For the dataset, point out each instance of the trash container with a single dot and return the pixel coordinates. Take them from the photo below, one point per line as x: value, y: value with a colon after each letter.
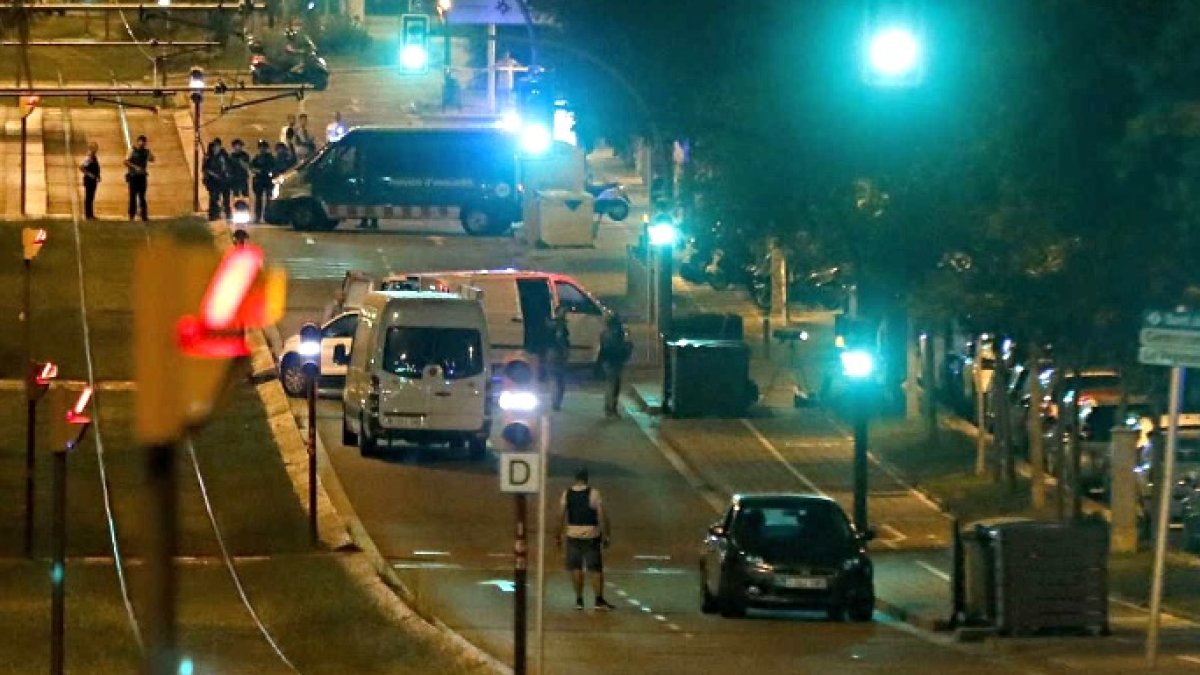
x: 708, y: 378
x: 559, y: 218
x: 1028, y: 576
x: 707, y: 326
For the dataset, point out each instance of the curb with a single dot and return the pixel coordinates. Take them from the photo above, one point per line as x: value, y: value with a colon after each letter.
x: 714, y: 498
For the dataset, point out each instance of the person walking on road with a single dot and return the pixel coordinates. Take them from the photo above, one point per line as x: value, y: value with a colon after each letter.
x: 216, y: 179
x: 584, y: 524
x: 262, y: 167
x: 287, y: 133
x: 137, y: 176
x: 239, y: 170
x: 615, y: 350
x: 91, y: 179
x: 558, y: 353
x: 305, y: 144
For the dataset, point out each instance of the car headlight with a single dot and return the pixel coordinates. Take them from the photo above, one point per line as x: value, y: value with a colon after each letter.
x: 757, y: 563
x: 275, y: 191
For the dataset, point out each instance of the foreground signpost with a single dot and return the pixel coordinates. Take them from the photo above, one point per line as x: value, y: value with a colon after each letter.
x: 1167, y: 338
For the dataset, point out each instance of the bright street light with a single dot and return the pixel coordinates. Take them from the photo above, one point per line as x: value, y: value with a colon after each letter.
x: 414, y: 57
x: 535, y: 138
x: 196, y: 78
x: 894, y: 52
x: 857, y: 363
x: 662, y: 231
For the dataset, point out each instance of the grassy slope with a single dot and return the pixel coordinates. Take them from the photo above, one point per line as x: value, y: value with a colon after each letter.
x: 305, y: 597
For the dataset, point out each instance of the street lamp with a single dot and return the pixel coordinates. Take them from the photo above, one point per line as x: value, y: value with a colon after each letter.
x: 858, y: 366
x: 535, y: 138
x: 196, y: 85
x: 310, y: 353
x: 893, y: 57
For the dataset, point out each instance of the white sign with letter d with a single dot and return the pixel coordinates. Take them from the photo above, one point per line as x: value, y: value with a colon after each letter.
x: 520, y: 472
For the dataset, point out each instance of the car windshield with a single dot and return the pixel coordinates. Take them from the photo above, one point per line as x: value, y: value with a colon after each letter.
x: 781, y: 530
x: 409, y: 350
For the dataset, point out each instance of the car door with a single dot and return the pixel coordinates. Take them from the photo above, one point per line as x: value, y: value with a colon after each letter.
x: 585, y: 320
x: 536, y: 305
x: 714, y: 553
x: 338, y: 331
x: 502, y: 309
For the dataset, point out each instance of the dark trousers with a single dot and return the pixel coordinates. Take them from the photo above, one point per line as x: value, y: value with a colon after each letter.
x: 262, y: 193
x: 218, y: 200
x: 558, y: 376
x: 137, y: 196
x: 240, y: 187
x: 89, y: 198
x: 612, y: 387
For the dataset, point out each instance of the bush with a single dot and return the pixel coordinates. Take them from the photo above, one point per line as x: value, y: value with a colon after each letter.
x: 341, y: 35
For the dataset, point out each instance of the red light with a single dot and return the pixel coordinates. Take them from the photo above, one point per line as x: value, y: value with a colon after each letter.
x: 75, y: 415
x: 40, y: 237
x: 230, y: 286
x: 48, y: 372
x: 194, y: 339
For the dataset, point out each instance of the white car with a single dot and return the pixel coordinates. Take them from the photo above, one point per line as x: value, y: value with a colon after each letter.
x: 337, y: 331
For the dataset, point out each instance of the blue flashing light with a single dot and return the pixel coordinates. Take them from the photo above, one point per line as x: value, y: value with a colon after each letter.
x: 857, y: 363
x: 414, y: 57
x: 536, y: 138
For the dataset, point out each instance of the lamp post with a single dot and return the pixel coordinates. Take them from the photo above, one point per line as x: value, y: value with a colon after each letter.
x: 661, y: 234
x: 310, y: 351
x: 37, y: 382
x: 858, y: 366
x: 196, y: 84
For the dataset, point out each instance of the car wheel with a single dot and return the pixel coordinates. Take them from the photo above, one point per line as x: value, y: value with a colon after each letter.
x: 348, y: 437
x: 862, y: 609
x: 708, y: 603
x: 618, y: 211
x: 477, y: 447
x: 307, y: 216
x: 477, y: 222
x: 836, y: 611
x: 291, y: 375
x: 368, y: 445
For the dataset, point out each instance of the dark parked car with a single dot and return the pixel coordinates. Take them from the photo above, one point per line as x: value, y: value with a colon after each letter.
x: 786, y: 551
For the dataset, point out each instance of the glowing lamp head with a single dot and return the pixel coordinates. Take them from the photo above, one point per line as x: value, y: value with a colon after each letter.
x: 47, y: 372
x: 893, y: 53
x: 518, y: 401
x: 196, y: 78
x: 857, y: 363
x: 510, y: 121
x: 662, y: 231
x: 241, y: 212
x: 535, y: 138
x: 310, y: 343
x: 518, y: 435
x: 76, y: 414
x: 444, y: 5
x: 414, y: 57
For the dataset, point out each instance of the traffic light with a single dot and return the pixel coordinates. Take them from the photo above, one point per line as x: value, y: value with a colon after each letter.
x: 191, y: 308
x: 37, y: 379
x: 310, y: 348
x: 32, y: 240
x: 519, y: 404
x: 29, y: 104
x: 414, y: 43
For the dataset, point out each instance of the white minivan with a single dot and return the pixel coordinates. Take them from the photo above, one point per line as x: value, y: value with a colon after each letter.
x: 518, y: 303
x: 418, y: 371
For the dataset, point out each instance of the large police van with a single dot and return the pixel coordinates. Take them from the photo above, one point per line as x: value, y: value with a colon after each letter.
x: 404, y: 172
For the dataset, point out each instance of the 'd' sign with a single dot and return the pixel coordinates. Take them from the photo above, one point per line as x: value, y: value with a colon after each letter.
x: 519, y: 472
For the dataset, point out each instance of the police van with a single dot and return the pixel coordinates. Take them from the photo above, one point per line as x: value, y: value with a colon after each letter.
x: 418, y: 370
x: 404, y: 172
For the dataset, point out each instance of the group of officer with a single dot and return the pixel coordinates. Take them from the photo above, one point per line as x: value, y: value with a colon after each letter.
x: 231, y: 174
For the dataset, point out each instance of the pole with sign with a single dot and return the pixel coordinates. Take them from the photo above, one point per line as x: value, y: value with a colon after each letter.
x: 520, y: 473
x: 1167, y: 338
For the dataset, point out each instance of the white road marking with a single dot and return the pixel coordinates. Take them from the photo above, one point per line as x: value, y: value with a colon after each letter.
x: 651, y: 557
x: 426, y: 566
x: 663, y: 570
x: 646, y: 609
x: 504, y: 585
x: 310, y: 241
x: 894, y: 540
x: 660, y: 617
x: 633, y: 601
x: 933, y: 570
x: 432, y: 553
x: 499, y: 555
x: 622, y: 593
x: 1189, y: 658
x: 782, y: 460
x: 673, y: 627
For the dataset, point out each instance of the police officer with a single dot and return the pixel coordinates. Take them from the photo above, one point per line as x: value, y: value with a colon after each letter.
x: 239, y: 170
x: 216, y: 179
x: 137, y: 175
x: 585, y: 527
x: 263, y: 169
x: 91, y: 179
x: 558, y: 353
x: 614, y: 352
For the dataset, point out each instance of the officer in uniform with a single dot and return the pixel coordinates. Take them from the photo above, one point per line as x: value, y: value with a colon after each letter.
x: 137, y: 176
x: 263, y: 169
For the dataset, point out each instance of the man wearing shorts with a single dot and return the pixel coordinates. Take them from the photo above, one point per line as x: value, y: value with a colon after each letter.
x: 585, y: 527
